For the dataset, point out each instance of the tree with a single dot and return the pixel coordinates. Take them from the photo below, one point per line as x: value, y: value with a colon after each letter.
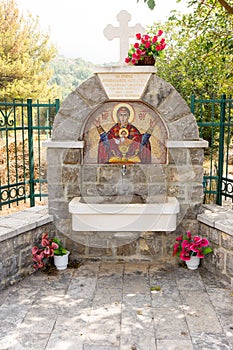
x: 69, y: 73
x: 199, y: 54
x: 25, y: 55
x: 226, y: 5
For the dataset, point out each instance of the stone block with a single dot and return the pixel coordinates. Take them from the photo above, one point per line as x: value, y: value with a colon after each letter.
x: 72, y: 190
x: 175, y: 108
x: 229, y: 264
x: 158, y: 189
x: 157, y: 91
x: 6, y: 248
x: 177, y: 190
x: 97, y: 95
x: 59, y: 209
x: 25, y: 258
x: 70, y: 174
x: 186, y: 126
x: 71, y: 156
x: 23, y: 240
x: 196, y: 156
x: 226, y: 241
x: 195, y: 192
x: 179, y: 156
x: 127, y: 249
x: 54, y: 156
x: 89, y: 173
x: 54, y: 174
x: 56, y: 191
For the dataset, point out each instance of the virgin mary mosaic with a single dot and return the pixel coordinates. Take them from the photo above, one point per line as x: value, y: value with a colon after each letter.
x: 124, y: 143
x: 128, y: 139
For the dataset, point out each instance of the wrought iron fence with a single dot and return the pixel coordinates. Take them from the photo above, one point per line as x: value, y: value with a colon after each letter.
x: 23, y: 126
x: 214, y: 118
x: 23, y: 165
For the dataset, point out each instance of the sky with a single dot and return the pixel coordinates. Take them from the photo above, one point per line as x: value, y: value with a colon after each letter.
x: 76, y: 26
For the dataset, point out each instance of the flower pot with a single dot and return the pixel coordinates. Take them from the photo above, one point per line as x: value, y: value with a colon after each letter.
x: 147, y: 61
x: 61, y: 261
x: 193, y: 263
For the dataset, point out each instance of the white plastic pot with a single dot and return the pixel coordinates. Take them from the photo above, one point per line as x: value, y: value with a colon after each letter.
x: 61, y: 261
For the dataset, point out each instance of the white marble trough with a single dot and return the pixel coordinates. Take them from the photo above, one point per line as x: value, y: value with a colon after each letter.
x: 123, y: 217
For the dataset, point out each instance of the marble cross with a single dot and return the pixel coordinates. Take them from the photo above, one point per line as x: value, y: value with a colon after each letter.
x: 123, y: 32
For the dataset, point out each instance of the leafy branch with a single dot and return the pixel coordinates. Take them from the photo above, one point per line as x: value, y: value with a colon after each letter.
x: 151, y: 4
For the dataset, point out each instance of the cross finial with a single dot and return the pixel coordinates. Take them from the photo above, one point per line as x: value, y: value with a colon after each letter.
x: 123, y: 32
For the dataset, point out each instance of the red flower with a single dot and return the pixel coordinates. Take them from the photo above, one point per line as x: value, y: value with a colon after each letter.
x: 138, y: 36
x: 175, y: 248
x: 127, y: 60
x: 146, y: 37
x: 160, y: 32
x: 155, y: 39
x: 136, y: 45
x: 147, y: 45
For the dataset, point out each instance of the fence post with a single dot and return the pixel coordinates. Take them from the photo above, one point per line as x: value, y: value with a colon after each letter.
x: 57, y: 105
x: 192, y: 104
x: 30, y: 152
x: 221, y: 149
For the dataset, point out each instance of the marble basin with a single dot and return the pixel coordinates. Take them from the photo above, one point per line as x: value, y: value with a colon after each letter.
x: 91, y: 216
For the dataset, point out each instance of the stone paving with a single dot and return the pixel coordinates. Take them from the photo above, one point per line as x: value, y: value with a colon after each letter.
x: 118, y: 306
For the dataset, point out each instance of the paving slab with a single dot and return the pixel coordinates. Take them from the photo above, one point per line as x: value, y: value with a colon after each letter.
x: 118, y: 306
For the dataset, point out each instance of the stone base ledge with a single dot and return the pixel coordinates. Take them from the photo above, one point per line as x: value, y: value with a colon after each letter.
x: 187, y: 143
x: 217, y: 217
x: 20, y: 222
x: 125, y: 69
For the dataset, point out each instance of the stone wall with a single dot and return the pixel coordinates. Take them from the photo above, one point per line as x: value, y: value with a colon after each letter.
x: 19, y: 232
x: 216, y: 224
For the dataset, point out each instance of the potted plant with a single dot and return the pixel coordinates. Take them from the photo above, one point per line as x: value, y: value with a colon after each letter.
x: 146, y: 49
x: 191, y: 249
x: 50, y: 247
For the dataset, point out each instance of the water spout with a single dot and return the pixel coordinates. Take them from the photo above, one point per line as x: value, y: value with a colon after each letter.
x: 123, y: 170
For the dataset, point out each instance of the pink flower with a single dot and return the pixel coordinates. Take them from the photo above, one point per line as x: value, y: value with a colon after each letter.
x: 134, y: 60
x: 200, y: 255
x: 147, y: 45
x: 136, y: 45
x: 155, y: 39
x: 180, y: 238
x: 34, y: 250
x: 184, y: 256
x: 54, y: 245
x: 127, y: 60
x: 44, y: 241
x: 138, y: 36
x: 189, y: 235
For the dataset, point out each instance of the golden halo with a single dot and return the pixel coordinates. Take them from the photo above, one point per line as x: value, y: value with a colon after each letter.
x: 123, y: 130
x: 115, y: 109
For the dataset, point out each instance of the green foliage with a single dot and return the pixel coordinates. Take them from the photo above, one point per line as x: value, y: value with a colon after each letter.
x: 198, y: 58
x: 60, y: 250
x: 25, y: 56
x: 69, y: 73
x: 150, y: 3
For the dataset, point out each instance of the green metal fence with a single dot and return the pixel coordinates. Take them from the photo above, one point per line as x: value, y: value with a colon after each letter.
x: 23, y: 165
x: 214, y: 118
x: 23, y: 127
